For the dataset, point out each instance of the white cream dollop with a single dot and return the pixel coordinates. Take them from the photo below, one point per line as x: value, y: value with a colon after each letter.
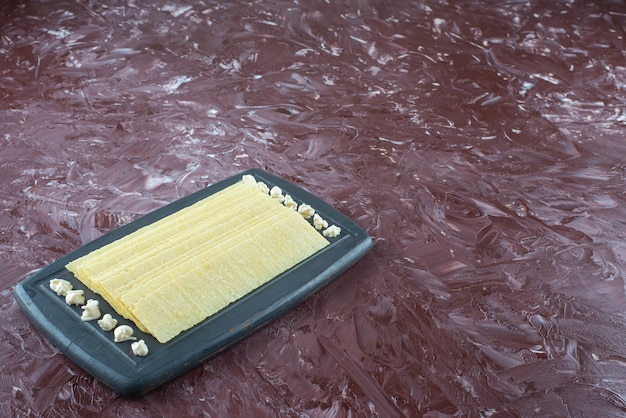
x: 248, y: 179
x: 332, y: 231
x: 75, y: 297
x: 107, y: 322
x: 91, y: 310
x: 277, y: 194
x: 263, y: 187
x: 139, y: 348
x: 123, y: 333
x: 306, y: 210
x: 319, y: 223
x: 289, y: 202
x: 60, y: 286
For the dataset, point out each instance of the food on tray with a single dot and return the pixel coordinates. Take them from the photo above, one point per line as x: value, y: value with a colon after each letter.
x: 60, y: 286
x: 75, y: 297
x: 107, y: 323
x: 91, y: 310
x: 289, y: 202
x: 332, y: 231
x: 174, y: 273
x: 123, y: 333
x: 277, y: 193
x: 139, y: 348
x: 319, y: 223
x: 306, y: 210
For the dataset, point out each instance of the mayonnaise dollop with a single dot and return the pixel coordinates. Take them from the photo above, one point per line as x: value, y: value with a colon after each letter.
x: 306, y: 210
x: 60, y: 286
x: 319, y: 223
x: 123, y: 333
x: 332, y: 231
x: 107, y: 322
x: 276, y: 193
x: 290, y: 203
x: 248, y: 179
x: 139, y: 348
x: 75, y: 297
x: 91, y: 310
x: 263, y: 187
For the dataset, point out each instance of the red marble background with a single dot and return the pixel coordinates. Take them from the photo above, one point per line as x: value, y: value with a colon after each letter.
x: 481, y: 144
